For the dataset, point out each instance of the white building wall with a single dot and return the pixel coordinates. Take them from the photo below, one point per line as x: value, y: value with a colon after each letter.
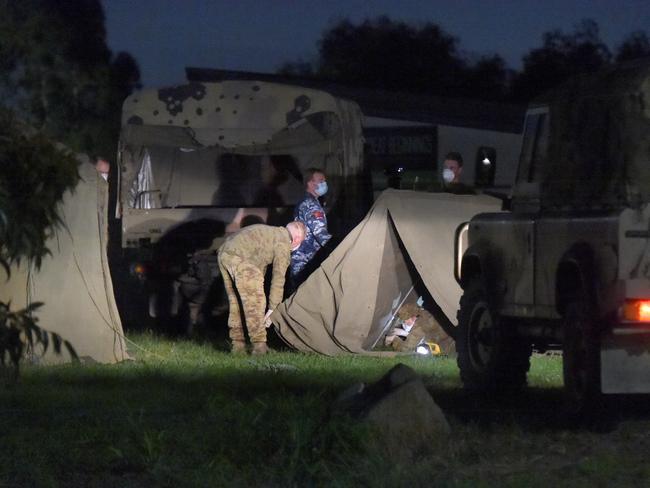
x: 468, y: 141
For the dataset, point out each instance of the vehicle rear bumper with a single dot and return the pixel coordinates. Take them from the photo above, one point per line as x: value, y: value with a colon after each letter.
x: 625, y: 361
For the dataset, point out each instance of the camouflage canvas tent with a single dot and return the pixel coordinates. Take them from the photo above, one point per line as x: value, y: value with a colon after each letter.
x: 407, y: 237
x: 75, y: 282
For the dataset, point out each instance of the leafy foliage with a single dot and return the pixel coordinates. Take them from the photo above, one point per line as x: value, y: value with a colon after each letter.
x: 19, y: 330
x: 560, y: 57
x: 389, y: 55
x: 395, y: 56
x: 635, y: 46
x: 58, y: 73
x: 34, y: 174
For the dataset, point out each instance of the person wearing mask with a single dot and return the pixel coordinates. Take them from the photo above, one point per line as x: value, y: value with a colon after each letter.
x: 452, y: 168
x: 103, y: 167
x: 311, y: 213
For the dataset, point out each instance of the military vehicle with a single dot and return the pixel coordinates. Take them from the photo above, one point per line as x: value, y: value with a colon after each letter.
x: 569, y: 266
x: 198, y: 161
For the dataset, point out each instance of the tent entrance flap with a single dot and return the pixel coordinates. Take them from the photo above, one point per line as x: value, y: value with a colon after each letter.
x: 396, y: 285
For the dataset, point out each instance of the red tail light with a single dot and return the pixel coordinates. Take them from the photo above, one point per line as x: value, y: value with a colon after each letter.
x: 636, y: 310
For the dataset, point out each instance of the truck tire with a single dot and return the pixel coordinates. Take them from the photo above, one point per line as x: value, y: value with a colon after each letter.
x: 490, y: 354
x: 581, y: 358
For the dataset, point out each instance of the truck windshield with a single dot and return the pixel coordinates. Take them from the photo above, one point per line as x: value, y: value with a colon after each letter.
x: 171, y: 177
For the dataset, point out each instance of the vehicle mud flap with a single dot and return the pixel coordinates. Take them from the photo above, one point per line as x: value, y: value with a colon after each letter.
x: 625, y: 362
x: 581, y: 360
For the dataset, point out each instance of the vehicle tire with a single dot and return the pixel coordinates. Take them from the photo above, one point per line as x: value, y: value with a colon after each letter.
x: 581, y: 358
x: 490, y: 354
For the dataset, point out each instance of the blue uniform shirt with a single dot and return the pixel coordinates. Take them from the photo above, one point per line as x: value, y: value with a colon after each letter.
x: 310, y: 212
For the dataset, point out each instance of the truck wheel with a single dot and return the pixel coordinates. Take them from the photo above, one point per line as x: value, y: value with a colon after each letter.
x: 581, y: 358
x: 490, y: 355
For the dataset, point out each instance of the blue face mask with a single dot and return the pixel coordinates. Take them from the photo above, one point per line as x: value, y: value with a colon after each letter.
x: 321, y: 188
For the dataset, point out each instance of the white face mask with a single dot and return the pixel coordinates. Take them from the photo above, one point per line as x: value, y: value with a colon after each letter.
x: 448, y: 175
x: 321, y: 188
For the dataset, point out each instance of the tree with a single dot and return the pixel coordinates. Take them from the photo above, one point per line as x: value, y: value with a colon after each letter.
x: 487, y: 79
x: 560, y: 57
x: 389, y: 55
x: 58, y: 73
x: 34, y: 175
x: 395, y: 56
x: 635, y: 46
x: 303, y: 69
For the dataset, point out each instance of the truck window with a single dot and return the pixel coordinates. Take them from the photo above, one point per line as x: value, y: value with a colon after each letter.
x: 197, y: 177
x: 485, y: 167
x: 534, y: 145
x: 254, y: 181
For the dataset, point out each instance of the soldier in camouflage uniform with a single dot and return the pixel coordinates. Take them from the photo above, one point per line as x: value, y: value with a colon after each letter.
x: 310, y: 212
x: 243, y: 259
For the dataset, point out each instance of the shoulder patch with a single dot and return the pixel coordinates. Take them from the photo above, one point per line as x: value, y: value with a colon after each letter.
x: 318, y: 214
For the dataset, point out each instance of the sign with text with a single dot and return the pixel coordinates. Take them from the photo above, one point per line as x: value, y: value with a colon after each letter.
x: 406, y: 147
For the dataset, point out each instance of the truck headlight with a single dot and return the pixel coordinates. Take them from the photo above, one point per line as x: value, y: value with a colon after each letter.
x: 138, y: 270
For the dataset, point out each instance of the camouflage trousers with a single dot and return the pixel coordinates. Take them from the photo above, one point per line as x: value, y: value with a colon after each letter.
x: 244, y: 285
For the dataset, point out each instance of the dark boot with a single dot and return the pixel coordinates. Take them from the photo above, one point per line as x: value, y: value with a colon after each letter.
x: 259, y: 348
x: 238, y: 347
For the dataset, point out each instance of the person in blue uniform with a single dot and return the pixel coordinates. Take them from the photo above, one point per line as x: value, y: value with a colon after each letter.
x: 311, y: 213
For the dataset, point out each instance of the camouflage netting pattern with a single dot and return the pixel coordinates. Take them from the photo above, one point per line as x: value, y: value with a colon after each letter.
x: 599, y: 145
x: 232, y: 113
x: 250, y: 118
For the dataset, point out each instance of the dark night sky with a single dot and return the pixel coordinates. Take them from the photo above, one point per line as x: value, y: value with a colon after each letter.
x: 167, y: 35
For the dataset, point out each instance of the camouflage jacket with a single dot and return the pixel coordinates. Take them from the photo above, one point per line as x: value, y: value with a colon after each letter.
x: 310, y: 212
x: 262, y: 245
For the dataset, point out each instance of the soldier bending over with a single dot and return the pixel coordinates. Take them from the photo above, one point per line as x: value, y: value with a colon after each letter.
x: 243, y: 260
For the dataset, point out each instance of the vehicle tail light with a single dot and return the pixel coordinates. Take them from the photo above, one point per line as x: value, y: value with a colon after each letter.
x: 636, y: 310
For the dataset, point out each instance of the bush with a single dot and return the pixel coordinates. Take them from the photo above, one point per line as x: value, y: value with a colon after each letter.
x: 34, y: 175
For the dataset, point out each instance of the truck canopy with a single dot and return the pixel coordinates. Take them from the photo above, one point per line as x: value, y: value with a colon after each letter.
x: 237, y: 144
x: 594, y: 149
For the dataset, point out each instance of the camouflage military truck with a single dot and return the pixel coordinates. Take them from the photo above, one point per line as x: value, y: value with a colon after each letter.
x: 569, y: 266
x: 198, y: 161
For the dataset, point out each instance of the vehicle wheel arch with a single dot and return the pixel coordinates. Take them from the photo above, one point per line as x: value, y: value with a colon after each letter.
x: 478, y: 264
x: 471, y: 267
x: 575, y: 274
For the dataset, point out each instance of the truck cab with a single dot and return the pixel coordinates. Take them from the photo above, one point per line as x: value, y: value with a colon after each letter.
x: 568, y: 266
x: 198, y: 161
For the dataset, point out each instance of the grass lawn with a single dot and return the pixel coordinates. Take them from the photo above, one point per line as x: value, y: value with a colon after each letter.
x: 186, y: 414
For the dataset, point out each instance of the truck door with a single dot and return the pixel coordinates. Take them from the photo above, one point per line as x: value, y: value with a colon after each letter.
x: 526, y: 206
x: 520, y: 269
